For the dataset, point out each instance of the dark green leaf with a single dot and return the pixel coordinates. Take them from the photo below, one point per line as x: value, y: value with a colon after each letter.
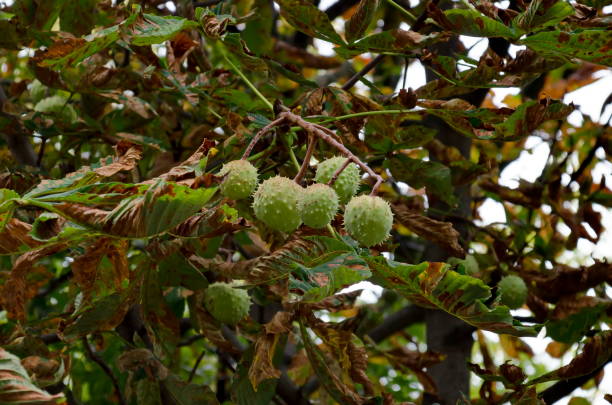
x: 361, y: 19
x: 419, y: 173
x: 306, y: 17
x: 590, y: 44
x: 434, y: 285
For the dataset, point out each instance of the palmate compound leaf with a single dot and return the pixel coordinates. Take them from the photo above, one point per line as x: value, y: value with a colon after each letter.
x: 16, y: 387
x: 434, y: 285
x: 306, y: 17
x: 592, y: 45
x: 317, y: 267
x: 139, y: 30
x: 134, y: 210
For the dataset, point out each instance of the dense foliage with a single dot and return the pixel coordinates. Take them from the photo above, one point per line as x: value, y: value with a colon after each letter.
x: 123, y: 197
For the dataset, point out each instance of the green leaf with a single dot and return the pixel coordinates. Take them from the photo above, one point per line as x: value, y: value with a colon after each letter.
x: 329, y: 274
x: 590, y: 44
x: 78, y: 16
x: 16, y: 387
x: 329, y: 378
x: 147, y: 392
x: 306, y: 17
x: 395, y: 41
x: 183, y: 393
x: 533, y: 17
x: 361, y: 19
x: 472, y: 23
x: 419, y: 173
x: 573, y: 328
x: 256, y: 34
x: 528, y: 117
x: 154, y: 29
x: 242, y: 389
x: 162, y: 207
x: 102, y: 314
x: 434, y: 285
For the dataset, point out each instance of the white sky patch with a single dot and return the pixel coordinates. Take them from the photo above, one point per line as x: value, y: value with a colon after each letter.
x: 371, y: 292
x: 590, y: 98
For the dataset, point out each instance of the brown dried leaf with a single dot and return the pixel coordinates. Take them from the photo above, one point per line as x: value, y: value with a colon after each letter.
x: 513, y: 345
x: 15, y: 235
x: 557, y: 349
x: 565, y: 280
x: 595, y: 352
x: 441, y: 233
x: 142, y: 358
x: 85, y: 267
x: 262, y: 367
x: 125, y: 161
x: 25, y: 279
x: 305, y: 58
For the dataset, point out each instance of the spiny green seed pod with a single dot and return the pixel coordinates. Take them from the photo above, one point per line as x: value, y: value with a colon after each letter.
x: 240, y: 180
x: 318, y: 205
x: 276, y: 203
x: 346, y: 184
x: 512, y: 291
x: 368, y: 219
x: 227, y: 304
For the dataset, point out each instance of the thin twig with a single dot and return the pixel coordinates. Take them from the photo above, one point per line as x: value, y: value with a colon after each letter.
x: 195, y: 366
x: 338, y: 171
x: 316, y: 130
x: 248, y: 83
x: 411, y: 19
x: 366, y: 69
x: 261, y: 133
x: 97, y: 359
x: 41, y: 151
x: 312, y: 141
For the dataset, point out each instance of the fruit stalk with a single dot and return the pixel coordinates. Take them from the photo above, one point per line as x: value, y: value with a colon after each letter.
x: 261, y: 133
x: 312, y: 140
x: 322, y: 133
x: 314, y: 129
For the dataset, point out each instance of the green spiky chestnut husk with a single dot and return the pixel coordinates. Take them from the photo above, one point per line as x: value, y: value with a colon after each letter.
x: 240, y: 179
x: 512, y: 291
x: 318, y: 205
x: 368, y: 219
x: 346, y: 184
x: 227, y: 304
x: 276, y: 203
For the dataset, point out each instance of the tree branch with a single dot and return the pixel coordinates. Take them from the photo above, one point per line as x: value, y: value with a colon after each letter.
x: 397, y: 322
x: 366, y: 69
x: 97, y: 359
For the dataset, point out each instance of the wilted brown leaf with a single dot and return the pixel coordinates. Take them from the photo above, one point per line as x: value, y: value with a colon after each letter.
x: 596, y: 351
x: 513, y: 345
x: 262, y: 367
x: 125, y: 161
x: 557, y: 349
x: 566, y: 280
x: 25, y: 279
x: 142, y: 359
x: 15, y: 235
x: 441, y: 233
